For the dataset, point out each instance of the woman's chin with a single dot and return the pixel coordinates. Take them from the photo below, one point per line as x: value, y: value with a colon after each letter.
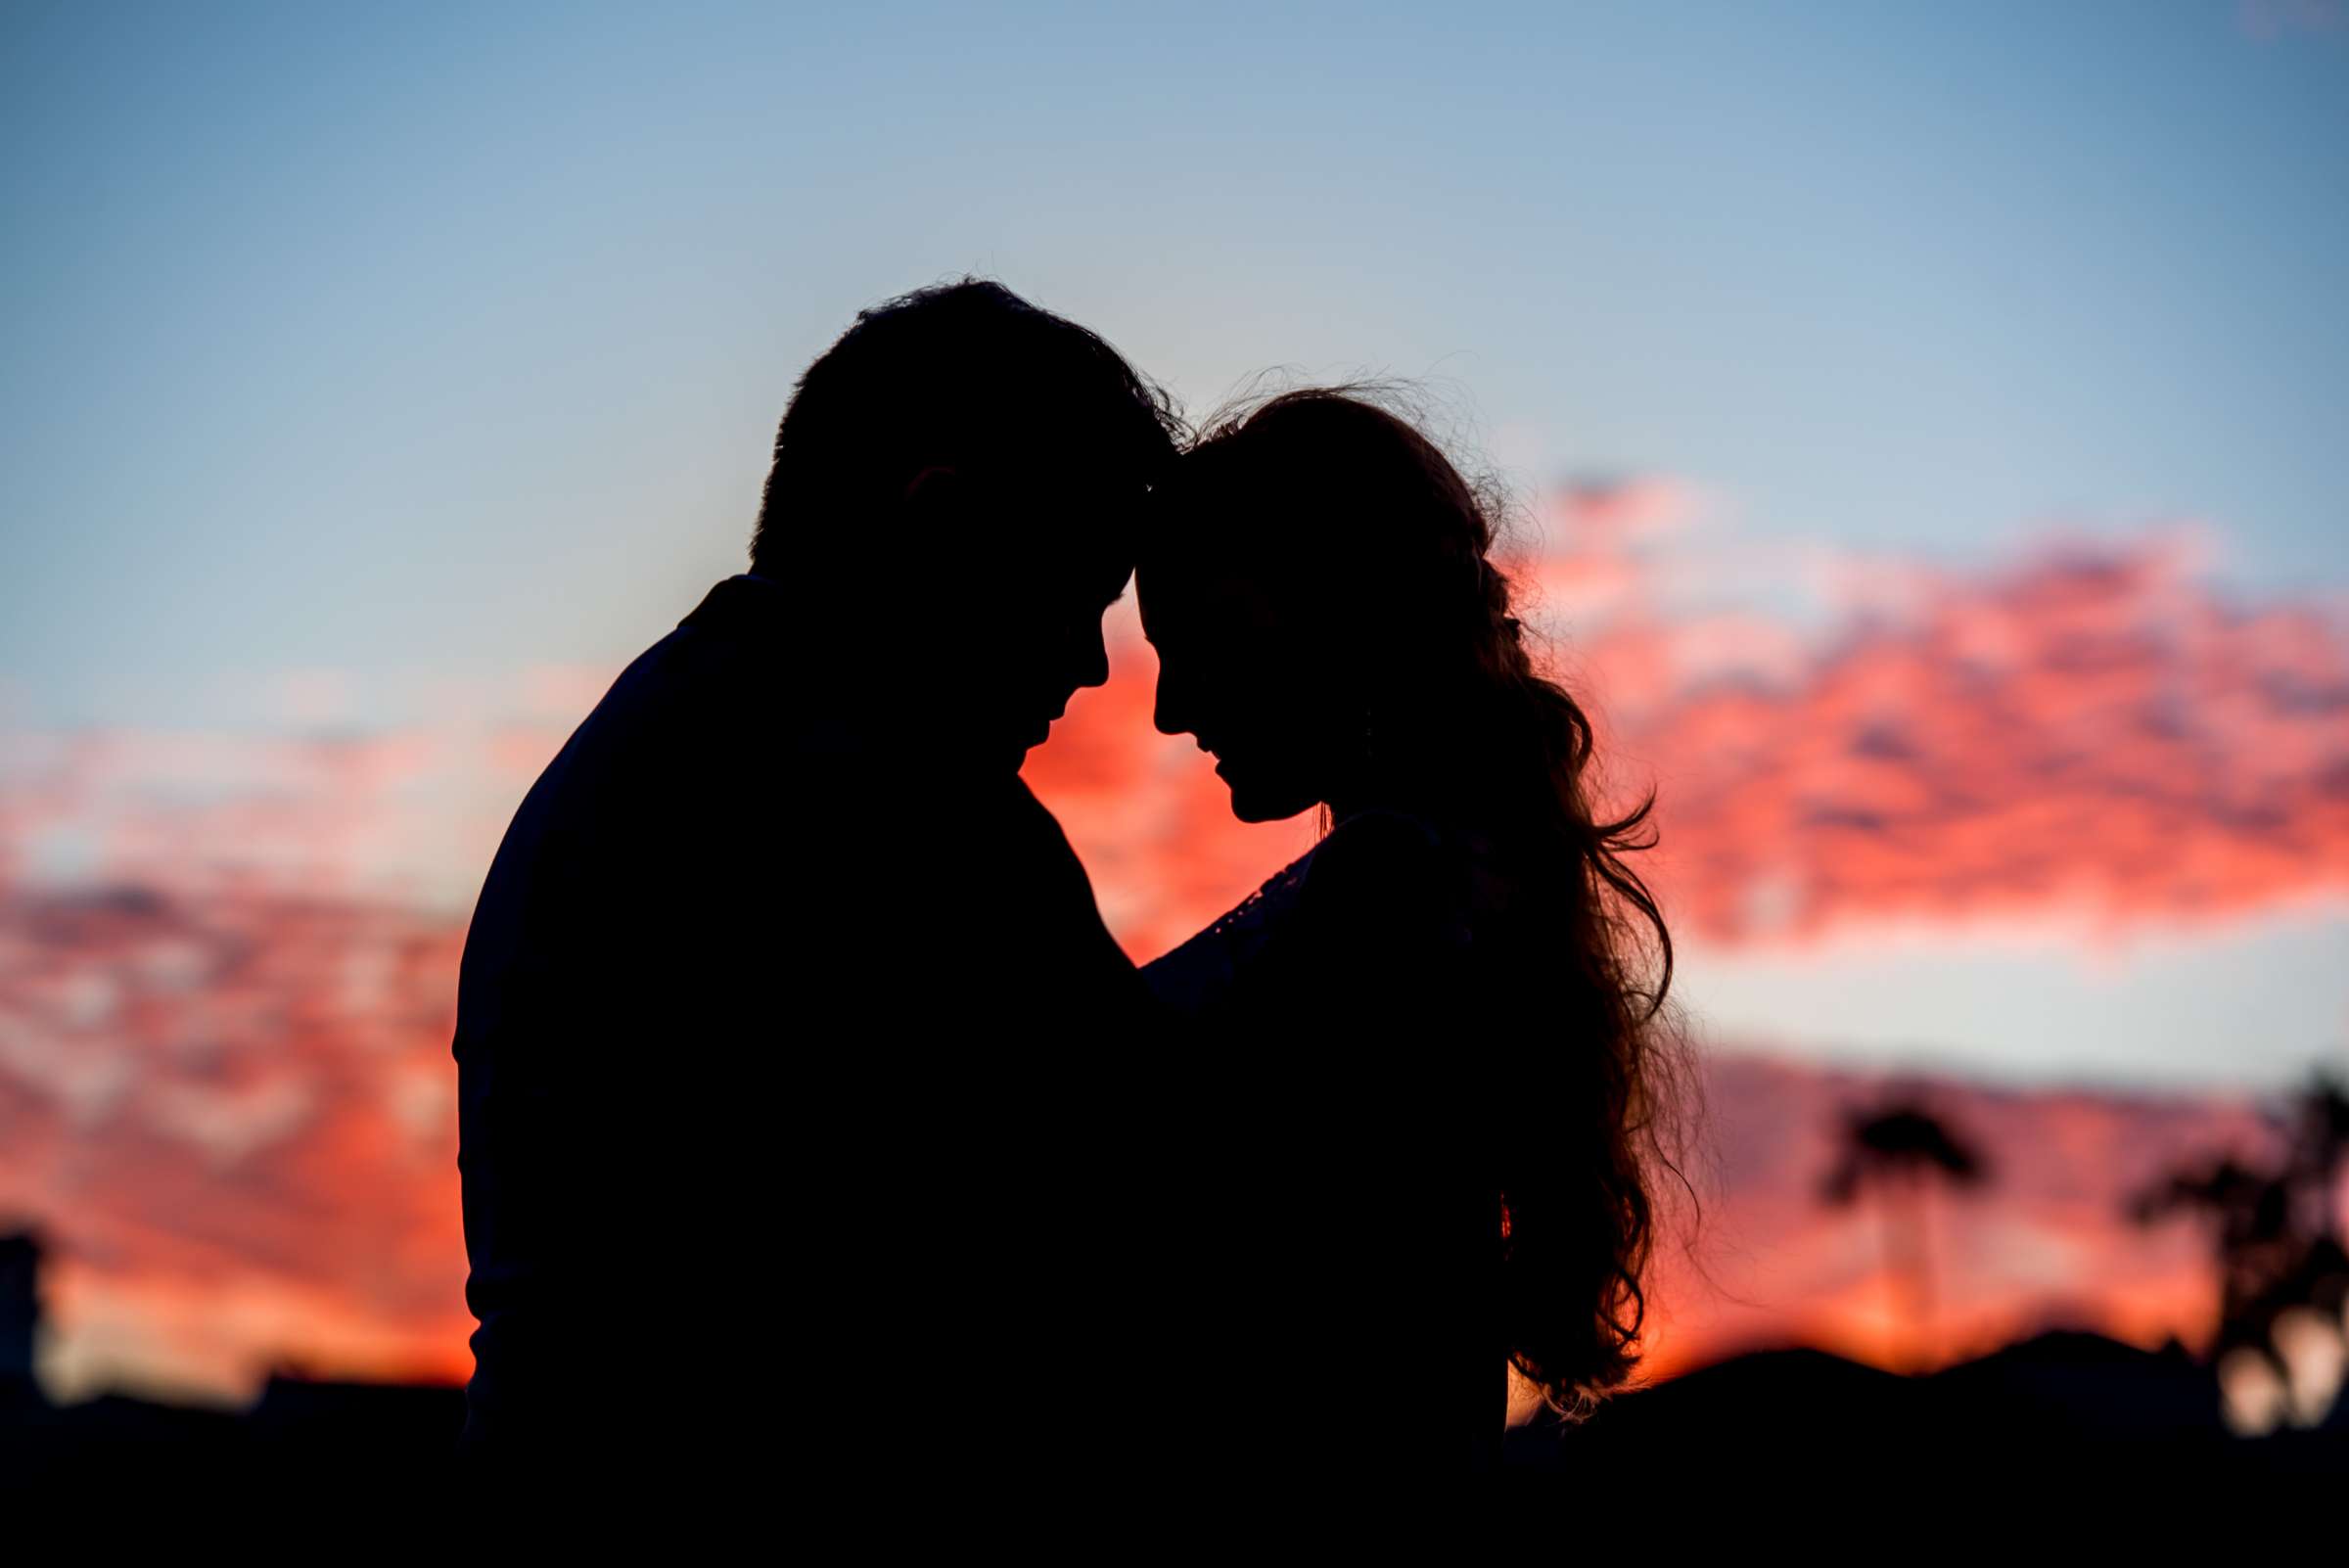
x: 1263, y: 805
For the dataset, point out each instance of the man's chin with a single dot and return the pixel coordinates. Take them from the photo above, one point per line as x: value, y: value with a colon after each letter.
x: 1017, y: 751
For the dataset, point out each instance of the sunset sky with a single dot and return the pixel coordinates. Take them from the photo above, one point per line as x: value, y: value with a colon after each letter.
x: 1930, y: 422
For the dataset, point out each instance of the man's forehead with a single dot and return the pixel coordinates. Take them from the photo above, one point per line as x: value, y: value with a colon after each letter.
x: 1089, y: 561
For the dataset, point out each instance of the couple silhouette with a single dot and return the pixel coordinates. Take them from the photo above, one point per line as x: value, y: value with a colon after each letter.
x: 822, y: 1151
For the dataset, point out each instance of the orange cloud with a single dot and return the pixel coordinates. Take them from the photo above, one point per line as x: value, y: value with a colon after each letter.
x: 2088, y: 731
x: 231, y: 1086
x: 221, y: 1107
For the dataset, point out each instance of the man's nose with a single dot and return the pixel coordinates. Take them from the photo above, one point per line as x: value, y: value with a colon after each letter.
x: 1166, y: 708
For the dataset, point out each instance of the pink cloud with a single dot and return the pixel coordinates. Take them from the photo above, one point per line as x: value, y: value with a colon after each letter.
x: 2086, y: 731
x: 2044, y: 1241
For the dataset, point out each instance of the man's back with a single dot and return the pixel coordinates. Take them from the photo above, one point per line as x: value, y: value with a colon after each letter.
x: 790, y: 1065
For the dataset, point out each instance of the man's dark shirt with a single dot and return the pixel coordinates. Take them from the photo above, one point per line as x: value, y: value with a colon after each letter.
x: 796, y: 1073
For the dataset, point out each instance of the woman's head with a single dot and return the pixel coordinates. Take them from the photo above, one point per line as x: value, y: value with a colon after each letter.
x: 1318, y: 582
x: 1317, y: 586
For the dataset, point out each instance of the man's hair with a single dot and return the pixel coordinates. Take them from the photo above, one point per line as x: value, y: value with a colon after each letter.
x: 967, y: 375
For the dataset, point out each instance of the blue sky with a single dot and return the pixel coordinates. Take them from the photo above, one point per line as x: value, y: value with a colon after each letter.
x: 373, y: 338
x: 441, y: 341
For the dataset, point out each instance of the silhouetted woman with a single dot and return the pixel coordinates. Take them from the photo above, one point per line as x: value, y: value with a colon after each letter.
x: 1434, y: 1073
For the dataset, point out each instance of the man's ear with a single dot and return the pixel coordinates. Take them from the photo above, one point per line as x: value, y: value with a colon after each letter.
x: 933, y: 496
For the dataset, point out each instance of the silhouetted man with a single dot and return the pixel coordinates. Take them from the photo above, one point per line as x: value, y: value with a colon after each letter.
x: 794, y: 1054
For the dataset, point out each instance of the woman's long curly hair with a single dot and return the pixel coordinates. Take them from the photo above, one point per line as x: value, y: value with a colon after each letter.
x: 1604, y: 1094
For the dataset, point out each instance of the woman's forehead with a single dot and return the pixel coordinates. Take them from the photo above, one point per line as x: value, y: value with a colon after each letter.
x: 1204, y: 591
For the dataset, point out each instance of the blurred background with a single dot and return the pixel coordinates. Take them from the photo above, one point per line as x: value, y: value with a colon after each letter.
x: 1930, y: 422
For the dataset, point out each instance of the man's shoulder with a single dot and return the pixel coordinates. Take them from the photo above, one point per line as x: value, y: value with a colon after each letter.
x: 726, y: 640
x: 695, y: 690
x: 619, y: 783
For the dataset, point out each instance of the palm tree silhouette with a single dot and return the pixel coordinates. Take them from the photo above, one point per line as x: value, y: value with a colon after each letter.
x: 2318, y: 1127
x: 2276, y: 1236
x: 2254, y: 1239
x: 1897, y: 1150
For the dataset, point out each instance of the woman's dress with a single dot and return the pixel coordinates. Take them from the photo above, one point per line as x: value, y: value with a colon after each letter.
x: 1340, y: 1261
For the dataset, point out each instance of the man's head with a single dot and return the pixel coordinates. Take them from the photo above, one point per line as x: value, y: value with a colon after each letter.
x: 954, y: 492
